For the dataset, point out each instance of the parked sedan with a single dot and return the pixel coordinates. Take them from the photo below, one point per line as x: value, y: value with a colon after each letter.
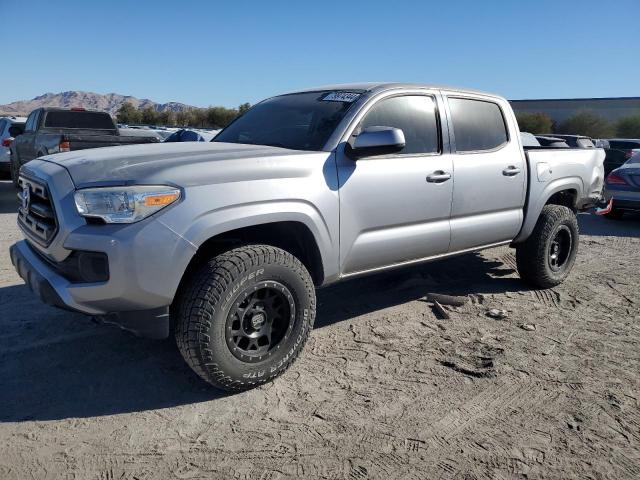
x: 188, y: 135
x: 5, y: 141
x: 618, y: 152
x: 623, y: 186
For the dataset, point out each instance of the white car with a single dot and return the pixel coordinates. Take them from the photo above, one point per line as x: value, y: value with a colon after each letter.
x: 5, y: 141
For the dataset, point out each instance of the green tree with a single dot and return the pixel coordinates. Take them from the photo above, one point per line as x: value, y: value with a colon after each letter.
x: 628, y: 127
x: 244, y: 107
x: 127, y: 113
x: 534, y: 122
x: 586, y: 123
x: 149, y: 116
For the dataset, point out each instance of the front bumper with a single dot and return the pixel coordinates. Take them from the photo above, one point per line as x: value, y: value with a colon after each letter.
x: 56, y: 291
x: 146, y: 261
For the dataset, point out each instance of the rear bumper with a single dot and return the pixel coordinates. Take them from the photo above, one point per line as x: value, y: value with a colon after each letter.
x: 624, y: 199
x: 622, y: 204
x: 53, y: 289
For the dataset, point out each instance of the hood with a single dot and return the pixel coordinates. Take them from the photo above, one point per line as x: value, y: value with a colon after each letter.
x: 183, y: 164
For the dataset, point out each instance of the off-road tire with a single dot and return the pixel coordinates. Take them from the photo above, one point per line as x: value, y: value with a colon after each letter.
x: 533, y: 255
x: 205, y: 303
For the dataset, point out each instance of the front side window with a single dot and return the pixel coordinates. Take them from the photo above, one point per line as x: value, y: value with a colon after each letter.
x: 415, y: 115
x: 477, y: 125
x: 299, y: 121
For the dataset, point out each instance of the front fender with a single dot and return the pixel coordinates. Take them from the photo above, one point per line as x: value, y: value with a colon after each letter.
x: 211, y: 223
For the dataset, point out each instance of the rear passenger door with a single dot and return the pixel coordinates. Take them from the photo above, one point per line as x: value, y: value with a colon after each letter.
x: 489, y: 172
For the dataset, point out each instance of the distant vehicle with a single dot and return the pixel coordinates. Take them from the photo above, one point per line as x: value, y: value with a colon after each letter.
x: 188, y: 135
x: 574, y: 141
x: 137, y: 132
x: 53, y: 130
x: 619, y: 151
x: 623, y: 187
x: 601, y: 143
x: 554, y: 142
x: 5, y: 141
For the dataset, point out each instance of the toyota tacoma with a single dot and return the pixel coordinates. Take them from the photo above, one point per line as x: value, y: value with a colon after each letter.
x: 222, y: 244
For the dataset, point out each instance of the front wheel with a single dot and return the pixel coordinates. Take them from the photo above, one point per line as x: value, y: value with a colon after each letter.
x: 545, y: 259
x: 245, y: 316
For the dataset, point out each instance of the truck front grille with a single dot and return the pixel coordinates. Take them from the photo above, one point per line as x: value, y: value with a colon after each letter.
x: 36, y: 215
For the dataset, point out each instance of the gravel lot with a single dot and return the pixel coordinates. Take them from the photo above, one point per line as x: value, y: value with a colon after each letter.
x: 384, y: 388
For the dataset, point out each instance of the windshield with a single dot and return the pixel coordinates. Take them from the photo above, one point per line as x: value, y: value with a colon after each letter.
x: 300, y: 121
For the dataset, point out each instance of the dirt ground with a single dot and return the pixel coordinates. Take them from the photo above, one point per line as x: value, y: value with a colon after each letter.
x: 384, y: 389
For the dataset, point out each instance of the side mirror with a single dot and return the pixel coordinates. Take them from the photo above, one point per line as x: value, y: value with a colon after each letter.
x: 15, y: 130
x: 377, y: 141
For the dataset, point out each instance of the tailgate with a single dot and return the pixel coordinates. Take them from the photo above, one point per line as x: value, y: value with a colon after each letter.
x: 82, y: 142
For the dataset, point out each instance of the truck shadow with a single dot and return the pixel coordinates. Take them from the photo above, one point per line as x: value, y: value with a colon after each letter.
x: 57, y: 365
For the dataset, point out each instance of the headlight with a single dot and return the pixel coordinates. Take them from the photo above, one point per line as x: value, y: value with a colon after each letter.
x: 124, y: 204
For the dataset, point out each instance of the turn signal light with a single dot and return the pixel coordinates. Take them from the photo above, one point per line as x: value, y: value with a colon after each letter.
x: 160, y: 200
x: 7, y: 142
x: 65, y: 146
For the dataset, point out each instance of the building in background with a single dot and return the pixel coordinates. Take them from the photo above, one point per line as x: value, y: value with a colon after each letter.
x: 611, y: 109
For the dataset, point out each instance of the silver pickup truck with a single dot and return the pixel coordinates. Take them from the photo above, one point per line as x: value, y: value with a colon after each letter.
x: 224, y: 243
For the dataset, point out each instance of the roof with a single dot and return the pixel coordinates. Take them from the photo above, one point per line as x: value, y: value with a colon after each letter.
x: 604, y: 99
x: 381, y: 86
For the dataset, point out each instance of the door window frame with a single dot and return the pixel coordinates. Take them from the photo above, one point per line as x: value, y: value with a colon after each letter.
x: 442, y: 126
x: 479, y: 98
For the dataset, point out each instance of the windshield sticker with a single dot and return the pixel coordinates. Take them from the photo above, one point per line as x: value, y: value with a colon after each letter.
x: 341, y: 97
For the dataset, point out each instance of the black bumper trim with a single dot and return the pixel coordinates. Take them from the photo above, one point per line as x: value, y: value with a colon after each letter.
x: 39, y: 285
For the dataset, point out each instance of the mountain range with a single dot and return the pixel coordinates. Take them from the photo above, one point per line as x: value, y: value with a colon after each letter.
x: 109, y: 102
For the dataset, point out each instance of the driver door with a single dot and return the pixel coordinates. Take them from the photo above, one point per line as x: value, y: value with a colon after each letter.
x: 395, y: 208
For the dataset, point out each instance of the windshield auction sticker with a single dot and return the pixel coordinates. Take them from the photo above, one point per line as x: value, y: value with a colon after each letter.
x: 341, y: 97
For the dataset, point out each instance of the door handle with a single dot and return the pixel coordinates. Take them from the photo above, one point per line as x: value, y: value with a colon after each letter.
x: 510, y: 171
x: 438, y: 176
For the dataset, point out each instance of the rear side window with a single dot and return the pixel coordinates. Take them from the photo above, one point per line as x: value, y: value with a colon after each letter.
x: 477, y: 125
x: 415, y: 115
x: 70, y: 119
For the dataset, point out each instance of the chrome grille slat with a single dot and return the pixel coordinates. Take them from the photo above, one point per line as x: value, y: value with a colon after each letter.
x: 38, y: 221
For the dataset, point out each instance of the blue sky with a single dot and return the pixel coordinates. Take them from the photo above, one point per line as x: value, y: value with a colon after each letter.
x: 228, y: 52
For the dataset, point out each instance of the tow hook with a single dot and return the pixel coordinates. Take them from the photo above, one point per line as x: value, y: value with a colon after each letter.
x: 605, y: 209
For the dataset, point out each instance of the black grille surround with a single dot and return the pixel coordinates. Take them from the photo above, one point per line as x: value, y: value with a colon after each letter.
x: 36, y: 216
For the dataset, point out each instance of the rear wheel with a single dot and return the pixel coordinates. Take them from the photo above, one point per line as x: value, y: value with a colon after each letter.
x: 245, y: 316
x: 545, y: 259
